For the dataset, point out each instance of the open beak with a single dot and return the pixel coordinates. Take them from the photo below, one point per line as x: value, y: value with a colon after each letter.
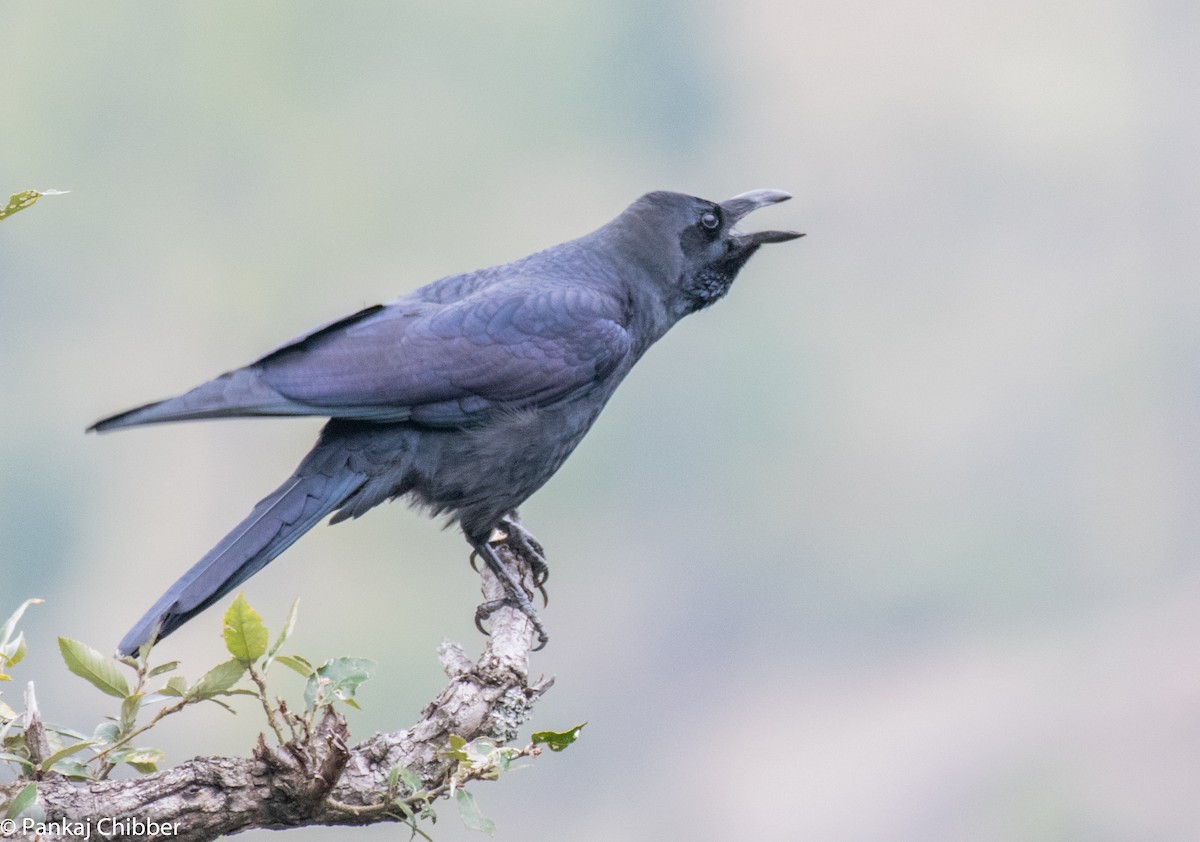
x: 745, y: 203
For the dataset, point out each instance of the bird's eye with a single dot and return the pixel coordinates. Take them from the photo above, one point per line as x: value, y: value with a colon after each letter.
x: 710, y: 220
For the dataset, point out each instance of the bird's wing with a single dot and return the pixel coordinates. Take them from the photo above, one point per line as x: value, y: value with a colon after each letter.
x: 528, y: 345
x: 236, y: 393
x: 443, y: 364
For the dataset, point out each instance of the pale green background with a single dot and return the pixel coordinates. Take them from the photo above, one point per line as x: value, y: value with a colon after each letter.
x: 896, y: 543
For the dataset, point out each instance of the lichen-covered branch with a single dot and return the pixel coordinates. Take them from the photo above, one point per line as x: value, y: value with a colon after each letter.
x: 319, y: 779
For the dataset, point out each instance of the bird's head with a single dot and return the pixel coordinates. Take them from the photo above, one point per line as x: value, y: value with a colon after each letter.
x: 695, y: 243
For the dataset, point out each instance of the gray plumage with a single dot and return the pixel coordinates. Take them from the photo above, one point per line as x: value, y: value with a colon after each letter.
x: 466, y: 395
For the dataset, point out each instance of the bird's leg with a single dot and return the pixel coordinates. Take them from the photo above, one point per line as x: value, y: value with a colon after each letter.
x: 515, y: 595
x: 522, y: 541
x: 530, y: 549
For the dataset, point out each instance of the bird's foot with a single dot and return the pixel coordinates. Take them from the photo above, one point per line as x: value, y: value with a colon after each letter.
x: 487, y: 609
x: 531, y: 550
x: 515, y: 595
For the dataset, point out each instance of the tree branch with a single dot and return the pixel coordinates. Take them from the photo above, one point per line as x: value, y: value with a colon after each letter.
x: 318, y: 779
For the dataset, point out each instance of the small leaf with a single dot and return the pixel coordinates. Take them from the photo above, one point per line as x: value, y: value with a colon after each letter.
x: 24, y: 800
x: 155, y: 698
x: 135, y: 756
x: 557, y: 740
x: 64, y: 731
x: 288, y: 625
x: 12, y: 653
x: 176, y: 686
x: 13, y: 758
x: 129, y: 711
x: 245, y: 633
x: 89, y: 664
x: 218, y: 680
x: 25, y: 199
x: 6, y: 727
x: 6, y: 712
x: 64, y: 753
x: 402, y: 774
x: 11, y: 623
x: 472, y: 818
x: 296, y: 663
x: 161, y: 668
x: 458, y: 751
x: 504, y: 758
x: 106, y: 733
x: 72, y: 769
x: 339, y: 677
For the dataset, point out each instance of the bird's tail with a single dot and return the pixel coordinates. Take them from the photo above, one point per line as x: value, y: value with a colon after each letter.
x: 322, y: 482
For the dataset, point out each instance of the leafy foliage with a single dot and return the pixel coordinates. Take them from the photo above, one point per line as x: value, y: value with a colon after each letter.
x: 245, y: 633
x: 149, y: 693
x: 557, y: 740
x: 25, y: 199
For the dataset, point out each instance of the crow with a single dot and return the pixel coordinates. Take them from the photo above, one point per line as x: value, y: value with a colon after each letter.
x: 466, y: 395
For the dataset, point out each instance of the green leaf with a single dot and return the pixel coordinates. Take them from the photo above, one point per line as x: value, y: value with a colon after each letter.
x: 87, y: 663
x: 457, y: 750
x: 218, y: 680
x: 15, y: 758
x: 6, y: 727
x: 137, y: 756
x: 176, y: 686
x: 161, y: 668
x: 72, y: 769
x: 472, y: 818
x: 402, y: 774
x: 106, y: 733
x: 245, y: 633
x: 25, y: 199
x: 504, y: 758
x: 6, y: 712
x: 12, y: 653
x: 64, y: 731
x: 129, y: 711
x: 288, y: 626
x: 11, y: 623
x: 557, y: 740
x: 24, y: 801
x: 338, y: 678
x: 294, y: 662
x: 64, y: 753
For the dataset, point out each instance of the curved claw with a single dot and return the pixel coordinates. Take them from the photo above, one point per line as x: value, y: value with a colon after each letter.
x: 471, y: 561
x: 486, y: 609
x: 515, y: 594
x: 531, y: 550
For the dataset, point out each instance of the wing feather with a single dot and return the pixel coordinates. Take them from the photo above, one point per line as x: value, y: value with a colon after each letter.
x: 447, y: 364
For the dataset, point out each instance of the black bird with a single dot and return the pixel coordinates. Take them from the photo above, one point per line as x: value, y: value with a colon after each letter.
x: 465, y: 395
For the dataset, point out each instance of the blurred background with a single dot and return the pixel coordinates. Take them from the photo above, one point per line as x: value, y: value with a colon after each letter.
x: 898, y: 542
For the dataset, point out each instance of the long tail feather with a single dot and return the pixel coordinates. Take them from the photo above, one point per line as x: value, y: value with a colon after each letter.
x: 274, y: 524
